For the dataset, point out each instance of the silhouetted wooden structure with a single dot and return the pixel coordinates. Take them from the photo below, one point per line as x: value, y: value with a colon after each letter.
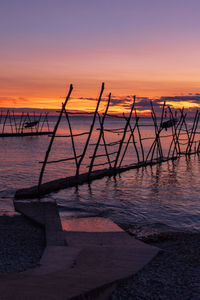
x: 24, y: 124
x: 170, y: 127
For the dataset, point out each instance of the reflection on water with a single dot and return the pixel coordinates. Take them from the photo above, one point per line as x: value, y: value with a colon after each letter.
x: 167, y: 193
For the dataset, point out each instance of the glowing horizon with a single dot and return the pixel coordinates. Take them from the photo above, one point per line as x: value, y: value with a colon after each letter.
x: 149, y: 49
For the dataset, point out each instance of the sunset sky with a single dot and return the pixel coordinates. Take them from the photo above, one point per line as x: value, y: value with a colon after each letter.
x: 147, y: 48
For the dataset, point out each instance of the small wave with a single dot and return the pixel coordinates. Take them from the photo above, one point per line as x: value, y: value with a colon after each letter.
x: 146, y: 231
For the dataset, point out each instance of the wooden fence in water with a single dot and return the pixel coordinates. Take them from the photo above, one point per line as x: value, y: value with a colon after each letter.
x: 171, y: 126
x: 24, y: 124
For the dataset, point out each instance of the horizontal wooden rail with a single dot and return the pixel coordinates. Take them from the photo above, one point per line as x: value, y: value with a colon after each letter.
x: 68, y: 135
x: 101, y: 155
x: 60, y: 160
x: 102, y: 164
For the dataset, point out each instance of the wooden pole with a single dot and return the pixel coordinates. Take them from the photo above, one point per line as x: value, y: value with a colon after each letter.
x: 174, y: 135
x: 53, y: 136
x: 14, y: 121
x: 139, y: 134
x: 157, y: 131
x: 90, y: 132
x: 190, y: 136
x: 5, y: 121
x: 41, y: 127
x: 1, y: 116
x: 10, y: 121
x: 100, y: 136
x: 131, y: 135
x: 47, y: 121
x: 72, y: 138
x: 38, y: 124
x: 180, y: 125
x: 162, y: 115
x: 194, y: 132
x: 124, y: 133
x: 20, y: 123
x: 104, y: 143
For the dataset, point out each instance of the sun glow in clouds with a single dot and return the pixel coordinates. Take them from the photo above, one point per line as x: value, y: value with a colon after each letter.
x: 181, y: 104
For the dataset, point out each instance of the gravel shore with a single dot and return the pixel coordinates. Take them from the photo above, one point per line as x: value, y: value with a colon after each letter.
x: 21, y: 244
x: 173, y: 274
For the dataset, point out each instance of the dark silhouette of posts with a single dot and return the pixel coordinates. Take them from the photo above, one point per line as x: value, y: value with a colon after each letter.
x: 90, y: 132
x: 5, y: 119
x: 104, y: 143
x: 193, y: 132
x: 72, y: 138
x: 53, y: 136
x: 100, y: 135
x: 139, y: 135
x: 127, y: 144
x: 124, y: 134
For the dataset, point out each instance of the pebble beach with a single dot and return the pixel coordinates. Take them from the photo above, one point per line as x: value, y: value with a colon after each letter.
x: 21, y: 244
x: 173, y: 274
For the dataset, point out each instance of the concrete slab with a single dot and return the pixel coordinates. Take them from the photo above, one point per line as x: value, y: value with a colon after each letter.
x: 33, y: 209
x: 53, y: 227
x: 87, y: 268
x: 91, y: 224
x: 46, y: 214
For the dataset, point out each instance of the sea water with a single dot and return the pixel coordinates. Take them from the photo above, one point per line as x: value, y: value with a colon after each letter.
x: 167, y: 193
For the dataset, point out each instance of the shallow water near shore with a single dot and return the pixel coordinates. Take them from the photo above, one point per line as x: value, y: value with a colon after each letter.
x: 166, y: 193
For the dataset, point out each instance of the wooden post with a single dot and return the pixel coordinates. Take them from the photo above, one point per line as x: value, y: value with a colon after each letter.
x: 37, y: 127
x: 10, y: 121
x: 1, y: 116
x: 5, y: 119
x: 41, y: 127
x: 90, y: 132
x: 72, y: 138
x: 29, y: 119
x: 134, y: 142
x: 198, y: 147
x: 180, y: 124
x: 15, y: 122
x: 124, y: 133
x: 139, y: 134
x: 162, y: 115
x: 104, y: 143
x: 190, y: 136
x: 174, y: 134
x: 53, y: 136
x: 47, y: 121
x: 194, y: 132
x: 152, y: 148
x: 157, y: 131
x: 100, y: 136
x: 131, y: 135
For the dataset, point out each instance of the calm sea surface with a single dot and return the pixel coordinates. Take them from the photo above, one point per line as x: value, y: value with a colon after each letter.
x: 168, y: 193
